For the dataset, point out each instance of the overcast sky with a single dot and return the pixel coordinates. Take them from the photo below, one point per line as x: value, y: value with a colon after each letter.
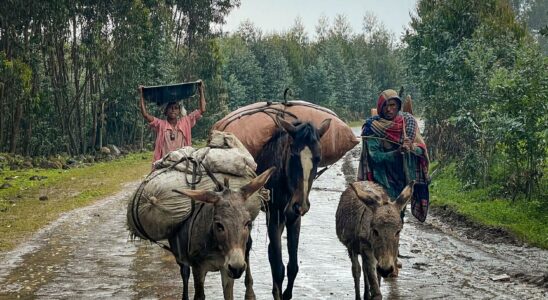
x: 279, y: 15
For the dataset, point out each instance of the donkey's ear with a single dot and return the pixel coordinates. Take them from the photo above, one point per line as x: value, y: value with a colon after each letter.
x: 257, y: 183
x: 405, y: 195
x: 367, y: 199
x: 324, y: 126
x: 290, y: 128
x: 200, y: 195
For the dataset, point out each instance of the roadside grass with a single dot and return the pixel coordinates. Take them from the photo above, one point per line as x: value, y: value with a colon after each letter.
x: 527, y: 219
x: 21, y: 211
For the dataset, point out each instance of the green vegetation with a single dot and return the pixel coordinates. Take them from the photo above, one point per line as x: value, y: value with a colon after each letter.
x: 355, y: 123
x: 524, y: 218
x: 22, y: 213
x: 477, y: 71
x: 483, y: 80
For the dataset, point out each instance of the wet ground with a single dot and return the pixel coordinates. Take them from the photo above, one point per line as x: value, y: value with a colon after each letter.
x: 86, y: 254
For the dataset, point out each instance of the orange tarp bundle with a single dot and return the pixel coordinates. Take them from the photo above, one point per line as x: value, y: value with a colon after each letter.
x: 255, y: 124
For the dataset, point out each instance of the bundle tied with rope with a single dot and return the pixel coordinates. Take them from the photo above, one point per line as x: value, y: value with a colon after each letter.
x: 155, y: 210
x: 255, y: 124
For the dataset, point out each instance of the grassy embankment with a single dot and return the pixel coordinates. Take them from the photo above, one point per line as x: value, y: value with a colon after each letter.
x: 528, y: 220
x: 21, y: 211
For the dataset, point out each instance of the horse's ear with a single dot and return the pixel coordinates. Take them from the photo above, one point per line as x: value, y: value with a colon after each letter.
x: 290, y: 128
x: 200, y: 195
x: 369, y: 201
x: 324, y: 126
x: 257, y: 183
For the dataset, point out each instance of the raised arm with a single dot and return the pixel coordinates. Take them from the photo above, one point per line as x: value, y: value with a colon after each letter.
x: 142, y: 105
x: 202, y: 103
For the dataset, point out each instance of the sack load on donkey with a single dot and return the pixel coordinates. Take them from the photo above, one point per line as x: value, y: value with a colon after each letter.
x: 254, y: 125
x: 155, y: 210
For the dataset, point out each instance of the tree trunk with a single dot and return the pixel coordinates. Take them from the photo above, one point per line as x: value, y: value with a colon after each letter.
x: 2, y: 117
x: 16, y: 127
x: 102, y: 124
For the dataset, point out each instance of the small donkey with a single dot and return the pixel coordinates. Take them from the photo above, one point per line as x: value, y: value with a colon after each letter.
x: 369, y: 224
x: 215, y: 237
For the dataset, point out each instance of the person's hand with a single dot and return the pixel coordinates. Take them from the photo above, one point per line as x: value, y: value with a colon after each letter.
x: 201, y: 85
x: 140, y: 89
x: 406, y: 146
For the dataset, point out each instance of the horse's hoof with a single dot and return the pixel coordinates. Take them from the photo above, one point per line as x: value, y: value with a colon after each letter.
x: 287, y: 295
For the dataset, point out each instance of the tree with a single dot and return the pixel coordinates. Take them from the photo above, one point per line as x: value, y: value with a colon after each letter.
x: 466, y: 58
x: 240, y: 64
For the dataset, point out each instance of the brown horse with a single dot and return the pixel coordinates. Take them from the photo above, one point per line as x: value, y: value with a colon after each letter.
x: 215, y: 237
x: 294, y: 149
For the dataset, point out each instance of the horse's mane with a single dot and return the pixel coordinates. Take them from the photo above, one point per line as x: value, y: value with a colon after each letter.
x: 274, y: 154
x: 277, y: 150
x: 306, y: 133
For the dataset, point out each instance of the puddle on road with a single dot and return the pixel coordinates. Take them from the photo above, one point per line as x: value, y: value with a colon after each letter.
x: 87, y: 255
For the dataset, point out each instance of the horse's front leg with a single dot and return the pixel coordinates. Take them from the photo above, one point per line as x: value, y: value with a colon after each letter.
x: 199, y: 278
x: 228, y: 285
x: 249, y: 292
x: 275, y: 229
x: 293, y: 232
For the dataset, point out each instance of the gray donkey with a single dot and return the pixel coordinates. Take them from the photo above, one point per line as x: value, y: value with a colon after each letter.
x: 214, y: 238
x: 369, y: 224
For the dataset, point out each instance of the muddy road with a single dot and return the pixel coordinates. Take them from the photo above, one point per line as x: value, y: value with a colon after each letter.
x: 86, y: 254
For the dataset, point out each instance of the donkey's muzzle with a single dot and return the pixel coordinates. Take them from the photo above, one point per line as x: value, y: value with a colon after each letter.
x: 385, y: 272
x: 235, y: 272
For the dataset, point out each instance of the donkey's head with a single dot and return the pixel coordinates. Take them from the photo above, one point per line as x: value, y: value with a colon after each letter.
x: 302, y: 164
x: 231, y: 222
x: 383, y: 231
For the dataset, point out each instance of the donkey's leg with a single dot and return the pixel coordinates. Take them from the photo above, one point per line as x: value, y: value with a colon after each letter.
x: 275, y: 229
x: 249, y: 293
x: 366, y: 286
x: 199, y: 277
x: 185, y: 274
x: 228, y: 285
x: 175, y: 246
x: 356, y: 272
x: 293, y: 233
x: 370, y: 268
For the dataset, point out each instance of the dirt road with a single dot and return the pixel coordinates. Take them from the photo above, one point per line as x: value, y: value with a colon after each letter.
x: 86, y: 254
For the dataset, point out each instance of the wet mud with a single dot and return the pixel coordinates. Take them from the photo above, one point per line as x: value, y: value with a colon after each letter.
x: 87, y: 254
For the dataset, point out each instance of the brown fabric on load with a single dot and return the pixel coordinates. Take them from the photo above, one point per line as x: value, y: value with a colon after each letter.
x: 408, y: 105
x: 254, y: 125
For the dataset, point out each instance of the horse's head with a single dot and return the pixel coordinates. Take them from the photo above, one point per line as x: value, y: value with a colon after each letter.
x: 231, y: 222
x: 302, y: 164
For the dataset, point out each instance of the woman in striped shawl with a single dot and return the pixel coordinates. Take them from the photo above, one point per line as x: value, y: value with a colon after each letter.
x: 394, y: 153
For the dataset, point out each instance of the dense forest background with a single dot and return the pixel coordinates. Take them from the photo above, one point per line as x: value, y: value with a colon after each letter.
x: 477, y: 71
